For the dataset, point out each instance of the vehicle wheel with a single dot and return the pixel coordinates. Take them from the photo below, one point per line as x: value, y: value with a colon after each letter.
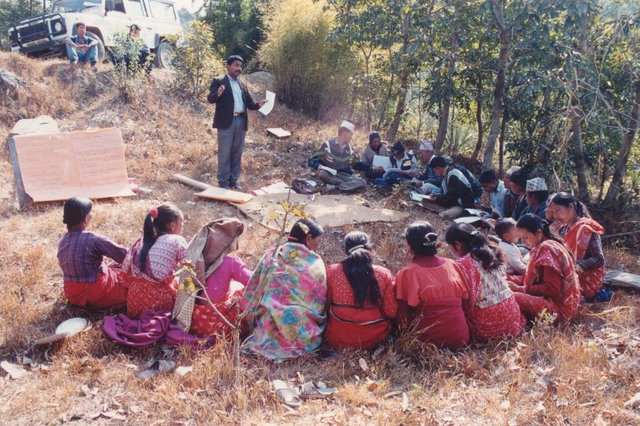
x: 164, y: 55
x: 101, y: 52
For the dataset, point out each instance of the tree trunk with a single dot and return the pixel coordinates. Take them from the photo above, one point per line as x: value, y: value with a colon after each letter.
x: 369, y: 93
x: 497, y: 9
x: 625, y: 150
x: 503, y: 131
x: 578, y: 156
x: 385, y: 101
x: 443, y: 122
x: 577, y: 114
x: 400, y: 105
x: 476, y: 151
x: 446, y: 104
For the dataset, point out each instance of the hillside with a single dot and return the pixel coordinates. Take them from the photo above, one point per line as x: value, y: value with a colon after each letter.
x: 578, y: 374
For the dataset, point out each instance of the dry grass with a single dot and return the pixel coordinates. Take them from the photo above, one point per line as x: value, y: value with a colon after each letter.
x: 580, y: 374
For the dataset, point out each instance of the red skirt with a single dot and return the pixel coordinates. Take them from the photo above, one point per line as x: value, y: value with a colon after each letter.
x: 443, y: 323
x: 496, y: 322
x: 591, y: 282
x: 353, y: 327
x: 206, y: 322
x: 145, y: 294
x: 107, y: 291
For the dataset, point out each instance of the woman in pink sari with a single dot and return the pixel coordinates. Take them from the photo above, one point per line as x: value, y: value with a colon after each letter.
x: 582, y: 236
x: 550, y: 283
x: 491, y: 309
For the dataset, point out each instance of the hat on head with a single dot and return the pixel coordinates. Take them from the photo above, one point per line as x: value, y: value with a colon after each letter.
x: 438, y: 161
x: 348, y: 125
x: 536, y: 184
x: 374, y: 135
x: 511, y: 170
x: 397, y: 148
x: 426, y: 146
x: 231, y: 59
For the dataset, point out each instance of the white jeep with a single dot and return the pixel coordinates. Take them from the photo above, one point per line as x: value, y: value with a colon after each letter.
x: 44, y: 35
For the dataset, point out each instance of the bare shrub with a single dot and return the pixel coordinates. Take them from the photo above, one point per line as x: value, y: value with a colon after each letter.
x: 312, y: 71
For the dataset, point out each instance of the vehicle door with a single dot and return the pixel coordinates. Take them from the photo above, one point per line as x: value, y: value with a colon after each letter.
x: 117, y: 19
x: 163, y: 18
x: 139, y: 15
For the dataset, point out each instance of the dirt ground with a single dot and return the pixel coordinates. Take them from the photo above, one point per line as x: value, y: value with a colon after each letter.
x: 578, y: 374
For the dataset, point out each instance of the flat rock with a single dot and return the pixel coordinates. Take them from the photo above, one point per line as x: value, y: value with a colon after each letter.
x: 35, y: 126
x: 11, y: 82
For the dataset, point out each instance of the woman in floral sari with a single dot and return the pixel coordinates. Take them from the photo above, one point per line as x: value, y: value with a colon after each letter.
x: 582, y: 236
x: 550, y: 283
x: 491, y: 310
x: 286, y: 297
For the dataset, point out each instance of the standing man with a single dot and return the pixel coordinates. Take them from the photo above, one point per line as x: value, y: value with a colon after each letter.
x: 232, y: 101
x: 81, y: 48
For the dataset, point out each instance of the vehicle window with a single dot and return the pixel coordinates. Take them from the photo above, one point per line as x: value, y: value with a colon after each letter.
x: 73, y: 5
x: 162, y: 10
x: 135, y: 8
x: 119, y: 6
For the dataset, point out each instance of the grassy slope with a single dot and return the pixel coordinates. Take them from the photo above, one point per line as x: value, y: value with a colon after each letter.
x: 580, y: 374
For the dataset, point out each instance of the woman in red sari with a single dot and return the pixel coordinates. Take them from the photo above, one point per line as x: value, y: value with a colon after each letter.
x: 550, y: 283
x: 582, y: 236
x: 360, y: 297
x: 151, y: 260
x: 430, y: 291
x: 491, y: 309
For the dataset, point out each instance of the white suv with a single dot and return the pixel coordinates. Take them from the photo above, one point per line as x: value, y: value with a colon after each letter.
x: 43, y: 36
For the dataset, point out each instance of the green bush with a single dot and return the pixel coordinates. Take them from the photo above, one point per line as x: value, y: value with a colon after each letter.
x: 127, y: 74
x: 312, y: 72
x: 195, y: 60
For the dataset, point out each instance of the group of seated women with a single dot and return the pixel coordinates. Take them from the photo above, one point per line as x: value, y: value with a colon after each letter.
x: 294, y: 303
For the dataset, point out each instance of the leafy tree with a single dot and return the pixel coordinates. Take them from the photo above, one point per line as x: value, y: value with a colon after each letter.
x: 237, y: 25
x: 312, y: 72
x: 195, y: 60
x: 12, y: 11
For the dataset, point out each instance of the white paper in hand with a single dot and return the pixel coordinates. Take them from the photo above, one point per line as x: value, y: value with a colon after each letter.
x: 268, y: 106
x: 381, y: 161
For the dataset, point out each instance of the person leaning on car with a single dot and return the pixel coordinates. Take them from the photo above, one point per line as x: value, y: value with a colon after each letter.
x: 81, y: 48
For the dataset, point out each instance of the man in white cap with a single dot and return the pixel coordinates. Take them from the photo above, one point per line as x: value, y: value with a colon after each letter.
x: 537, y: 195
x: 334, y: 159
x: 428, y: 182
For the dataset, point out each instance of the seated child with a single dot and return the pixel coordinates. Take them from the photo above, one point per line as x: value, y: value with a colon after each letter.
x: 507, y: 232
x: 152, y: 259
x: 88, y: 281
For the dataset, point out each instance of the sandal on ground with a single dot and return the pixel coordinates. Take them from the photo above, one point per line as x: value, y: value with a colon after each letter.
x: 287, y: 395
x: 311, y: 390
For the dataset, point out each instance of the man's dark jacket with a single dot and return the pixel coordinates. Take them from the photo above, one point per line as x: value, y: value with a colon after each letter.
x: 223, y: 117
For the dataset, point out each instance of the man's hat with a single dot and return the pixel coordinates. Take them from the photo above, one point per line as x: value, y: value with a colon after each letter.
x: 374, y: 135
x: 438, y: 161
x: 426, y: 146
x: 397, y: 148
x: 536, y: 184
x: 348, y: 125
